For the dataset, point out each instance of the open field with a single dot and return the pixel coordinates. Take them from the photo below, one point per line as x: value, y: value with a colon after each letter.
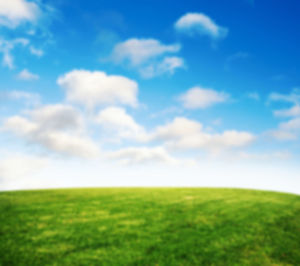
x: 149, y: 227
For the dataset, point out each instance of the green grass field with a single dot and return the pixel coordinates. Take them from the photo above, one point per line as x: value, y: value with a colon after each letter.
x: 149, y: 227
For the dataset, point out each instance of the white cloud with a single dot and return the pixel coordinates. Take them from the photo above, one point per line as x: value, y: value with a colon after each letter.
x: 282, y: 135
x: 293, y: 97
x: 183, y: 133
x: 293, y: 111
x: 8, y: 60
x: 57, y: 117
x: 289, y: 130
x: 27, y: 97
x: 117, y: 121
x: 14, y: 12
x: 27, y: 75
x: 58, y: 128
x: 6, y: 47
x: 92, y: 88
x: 198, y: 97
x: 293, y: 124
x: 178, y: 128
x: 201, y: 24
x: 36, y: 52
x: 67, y: 144
x: 148, y: 56
x: 27, y: 17
x: 167, y: 66
x: 142, y: 155
x: 138, y: 51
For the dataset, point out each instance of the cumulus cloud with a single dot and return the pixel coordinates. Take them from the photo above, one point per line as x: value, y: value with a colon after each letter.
x: 198, y: 97
x: 142, y: 155
x: 27, y: 75
x: 92, y: 88
x: 178, y: 128
x: 148, y: 56
x: 58, y: 117
x: 183, y: 133
x: 117, y: 121
x: 58, y: 128
x: 200, y: 24
x: 14, y: 12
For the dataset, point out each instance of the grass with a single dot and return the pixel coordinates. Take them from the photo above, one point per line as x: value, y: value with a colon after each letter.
x: 149, y: 227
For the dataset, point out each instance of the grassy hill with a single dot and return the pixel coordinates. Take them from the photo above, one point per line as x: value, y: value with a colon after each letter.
x: 149, y: 227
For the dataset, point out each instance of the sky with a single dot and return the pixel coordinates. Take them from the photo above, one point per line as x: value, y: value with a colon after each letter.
x: 150, y: 93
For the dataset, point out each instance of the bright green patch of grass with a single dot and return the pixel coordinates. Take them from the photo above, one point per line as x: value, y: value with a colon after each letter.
x: 149, y: 227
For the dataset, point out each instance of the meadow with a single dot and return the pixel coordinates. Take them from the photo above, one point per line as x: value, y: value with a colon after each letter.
x: 149, y: 226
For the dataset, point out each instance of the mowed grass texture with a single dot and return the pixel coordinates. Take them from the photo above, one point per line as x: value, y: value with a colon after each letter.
x: 149, y: 227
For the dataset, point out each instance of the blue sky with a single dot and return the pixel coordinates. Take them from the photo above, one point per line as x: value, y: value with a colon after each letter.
x: 150, y: 93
